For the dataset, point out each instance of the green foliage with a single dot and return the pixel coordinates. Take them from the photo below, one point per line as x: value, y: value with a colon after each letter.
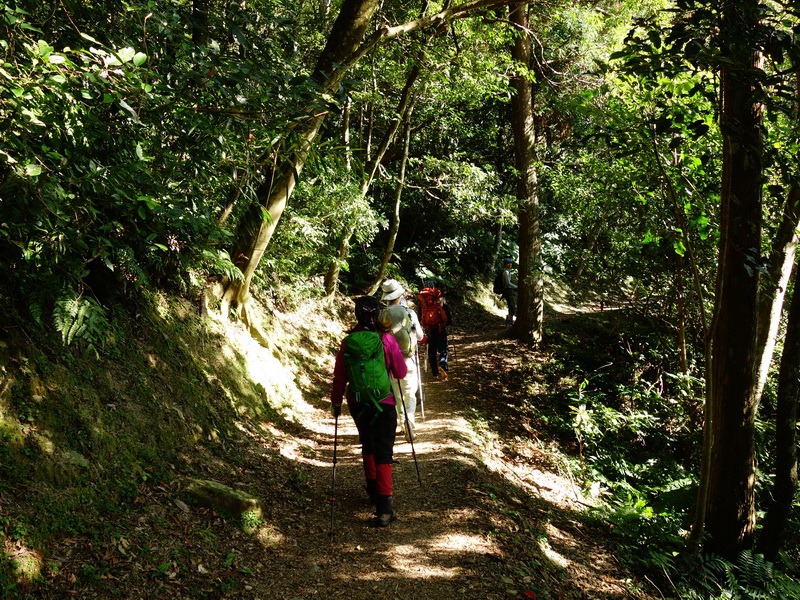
x: 251, y: 521
x: 453, y: 209
x: 220, y: 262
x: 327, y: 206
x: 633, y: 423
x: 135, y: 139
x: 126, y: 142
x: 649, y: 539
x: 82, y: 318
x: 749, y: 578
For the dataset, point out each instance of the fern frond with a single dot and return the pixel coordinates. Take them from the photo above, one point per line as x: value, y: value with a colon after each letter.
x: 220, y: 263
x: 78, y: 317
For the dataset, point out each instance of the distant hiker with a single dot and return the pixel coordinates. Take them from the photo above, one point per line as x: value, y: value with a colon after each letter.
x: 367, y: 357
x: 403, y: 323
x: 435, y: 317
x: 509, y: 291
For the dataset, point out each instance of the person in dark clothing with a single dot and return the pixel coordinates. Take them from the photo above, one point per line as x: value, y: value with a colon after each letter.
x: 376, y: 422
x: 509, y: 291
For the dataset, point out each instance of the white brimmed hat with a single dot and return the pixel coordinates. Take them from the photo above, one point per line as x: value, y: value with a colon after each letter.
x: 392, y: 290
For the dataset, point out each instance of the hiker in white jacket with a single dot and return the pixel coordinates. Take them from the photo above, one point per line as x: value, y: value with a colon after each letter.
x: 404, y: 325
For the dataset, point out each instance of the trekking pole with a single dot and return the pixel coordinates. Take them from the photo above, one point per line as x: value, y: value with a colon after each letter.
x: 332, y: 498
x: 410, y: 434
x: 425, y: 362
x: 419, y: 385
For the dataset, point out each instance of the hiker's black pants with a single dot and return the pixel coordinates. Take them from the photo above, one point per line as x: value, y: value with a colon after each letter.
x: 376, y: 430
x: 511, y: 300
x: 437, y: 350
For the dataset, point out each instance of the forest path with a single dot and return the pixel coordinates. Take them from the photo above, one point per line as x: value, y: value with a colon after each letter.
x: 486, y: 523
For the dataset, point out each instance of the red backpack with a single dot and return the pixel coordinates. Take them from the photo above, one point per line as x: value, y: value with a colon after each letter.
x: 433, y: 313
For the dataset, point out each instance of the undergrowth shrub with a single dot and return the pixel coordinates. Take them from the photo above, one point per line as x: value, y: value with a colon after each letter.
x: 750, y: 577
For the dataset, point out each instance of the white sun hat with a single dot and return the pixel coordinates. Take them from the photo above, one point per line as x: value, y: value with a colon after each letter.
x: 392, y: 290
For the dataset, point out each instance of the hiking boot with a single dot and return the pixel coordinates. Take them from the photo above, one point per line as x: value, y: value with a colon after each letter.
x: 385, y: 511
x: 443, y: 374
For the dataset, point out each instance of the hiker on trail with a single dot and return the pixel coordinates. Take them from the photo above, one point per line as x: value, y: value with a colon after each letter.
x: 435, y: 319
x: 403, y: 323
x: 509, y: 291
x: 366, y: 359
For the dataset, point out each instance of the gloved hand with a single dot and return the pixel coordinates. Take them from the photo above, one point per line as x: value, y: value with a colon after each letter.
x: 424, y: 339
x: 336, y: 409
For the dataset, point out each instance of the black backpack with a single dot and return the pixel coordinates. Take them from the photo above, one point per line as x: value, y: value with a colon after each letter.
x: 498, y: 287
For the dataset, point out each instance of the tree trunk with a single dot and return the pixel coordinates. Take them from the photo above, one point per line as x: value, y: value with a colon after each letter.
x: 698, y: 522
x: 785, y: 485
x: 730, y: 513
x: 332, y: 274
x: 395, y: 222
x: 680, y: 292
x: 590, y: 243
x: 259, y: 222
x: 530, y: 293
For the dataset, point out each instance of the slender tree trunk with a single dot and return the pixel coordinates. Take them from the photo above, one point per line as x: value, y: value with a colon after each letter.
x: 698, y: 523
x: 784, y: 248
x: 331, y: 280
x: 324, y: 7
x: 680, y: 292
x: 348, y: 150
x: 784, y: 486
x: 332, y: 274
x: 773, y: 288
x: 530, y: 293
x: 730, y: 514
x: 591, y: 241
x: 370, y: 129
x: 395, y: 222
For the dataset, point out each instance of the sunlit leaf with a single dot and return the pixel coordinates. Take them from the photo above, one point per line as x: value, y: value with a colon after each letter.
x: 32, y: 170
x: 126, y: 54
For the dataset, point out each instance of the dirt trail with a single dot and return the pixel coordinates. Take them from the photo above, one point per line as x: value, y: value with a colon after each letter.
x: 481, y: 526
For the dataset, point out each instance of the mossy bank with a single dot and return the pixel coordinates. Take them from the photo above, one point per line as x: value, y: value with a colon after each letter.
x: 88, y: 440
